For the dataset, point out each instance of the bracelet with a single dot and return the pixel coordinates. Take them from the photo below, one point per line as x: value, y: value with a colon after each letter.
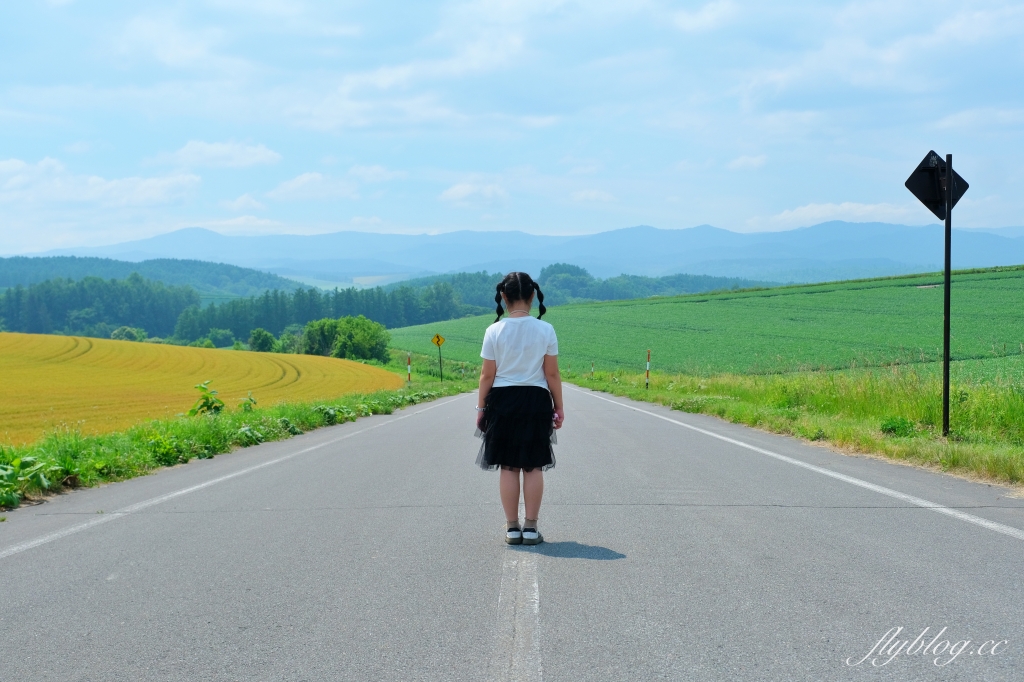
x: 480, y: 409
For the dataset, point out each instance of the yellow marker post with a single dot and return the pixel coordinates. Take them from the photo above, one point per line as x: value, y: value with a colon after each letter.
x: 438, y: 341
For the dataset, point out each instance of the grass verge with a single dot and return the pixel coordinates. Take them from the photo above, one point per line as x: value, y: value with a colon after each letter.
x: 894, y: 412
x: 66, y: 458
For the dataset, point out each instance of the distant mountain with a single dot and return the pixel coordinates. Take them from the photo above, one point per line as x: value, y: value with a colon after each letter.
x: 829, y: 251
x: 211, y: 280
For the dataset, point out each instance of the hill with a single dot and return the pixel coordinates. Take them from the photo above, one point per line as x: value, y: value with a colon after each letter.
x: 831, y: 326
x: 563, y: 283
x: 101, y: 385
x: 213, y: 281
x: 825, y: 252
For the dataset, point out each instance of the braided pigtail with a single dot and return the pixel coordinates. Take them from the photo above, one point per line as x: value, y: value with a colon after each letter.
x: 540, y: 300
x: 497, y: 299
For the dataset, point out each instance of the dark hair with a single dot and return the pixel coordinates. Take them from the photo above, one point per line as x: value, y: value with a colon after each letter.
x: 518, y: 286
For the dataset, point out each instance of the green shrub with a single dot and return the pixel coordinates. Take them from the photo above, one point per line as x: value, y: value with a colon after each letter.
x: 261, y: 341
x: 128, y: 334
x: 901, y: 427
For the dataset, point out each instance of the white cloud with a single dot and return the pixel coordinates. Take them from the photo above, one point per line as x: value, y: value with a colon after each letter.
x: 812, y: 214
x: 747, y: 162
x: 985, y: 118
x: 313, y: 186
x: 222, y: 155
x: 360, y: 220
x: 49, y: 181
x: 465, y: 191
x: 711, y: 15
x: 242, y: 203
x: 872, y: 55
x: 592, y: 195
x: 374, y: 173
x: 242, y: 225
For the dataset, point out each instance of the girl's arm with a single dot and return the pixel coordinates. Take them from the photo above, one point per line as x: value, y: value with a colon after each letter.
x: 487, y: 373
x: 554, y: 378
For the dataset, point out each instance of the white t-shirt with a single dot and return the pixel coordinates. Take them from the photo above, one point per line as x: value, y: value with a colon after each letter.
x: 518, y: 346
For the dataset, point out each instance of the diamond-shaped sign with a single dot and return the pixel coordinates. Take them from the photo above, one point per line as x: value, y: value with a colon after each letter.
x: 928, y: 184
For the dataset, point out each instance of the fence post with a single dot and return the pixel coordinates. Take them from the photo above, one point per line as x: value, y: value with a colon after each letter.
x: 648, y: 382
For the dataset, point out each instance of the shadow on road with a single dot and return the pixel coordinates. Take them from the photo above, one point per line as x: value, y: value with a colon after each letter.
x: 571, y: 550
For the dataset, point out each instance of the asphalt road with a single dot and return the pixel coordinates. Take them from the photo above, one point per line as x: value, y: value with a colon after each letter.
x: 373, y: 551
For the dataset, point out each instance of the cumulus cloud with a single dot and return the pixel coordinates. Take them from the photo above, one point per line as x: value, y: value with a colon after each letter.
x: 710, y: 16
x: 592, y: 195
x: 222, y: 155
x: 242, y: 203
x: 49, y: 181
x: 313, y: 186
x: 465, y: 191
x: 748, y: 162
x: 812, y: 214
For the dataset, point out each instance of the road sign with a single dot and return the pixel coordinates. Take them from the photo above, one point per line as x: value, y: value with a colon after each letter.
x: 928, y: 184
x: 437, y: 341
x: 937, y: 186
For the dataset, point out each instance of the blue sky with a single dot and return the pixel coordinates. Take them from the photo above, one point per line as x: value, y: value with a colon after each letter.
x: 120, y: 120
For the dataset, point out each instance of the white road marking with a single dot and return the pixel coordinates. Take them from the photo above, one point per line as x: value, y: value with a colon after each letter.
x: 145, y: 504
x: 910, y: 499
x: 517, y: 656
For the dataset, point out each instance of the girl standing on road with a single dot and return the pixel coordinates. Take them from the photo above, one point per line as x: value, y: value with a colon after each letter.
x: 520, y: 402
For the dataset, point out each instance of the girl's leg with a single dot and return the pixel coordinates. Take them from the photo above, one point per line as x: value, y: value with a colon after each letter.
x: 533, y: 491
x: 508, y: 486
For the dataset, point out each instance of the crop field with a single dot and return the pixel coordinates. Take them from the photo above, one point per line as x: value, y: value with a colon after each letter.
x: 101, y: 385
x: 826, y: 326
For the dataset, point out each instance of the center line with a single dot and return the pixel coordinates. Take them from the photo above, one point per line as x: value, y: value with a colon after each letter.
x: 517, y: 657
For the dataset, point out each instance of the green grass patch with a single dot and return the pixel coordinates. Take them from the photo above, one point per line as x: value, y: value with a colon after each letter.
x: 892, y: 411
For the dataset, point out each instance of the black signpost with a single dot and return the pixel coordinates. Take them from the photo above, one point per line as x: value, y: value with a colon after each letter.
x: 939, y: 187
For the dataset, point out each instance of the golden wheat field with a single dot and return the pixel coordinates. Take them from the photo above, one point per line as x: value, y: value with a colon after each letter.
x: 102, y: 385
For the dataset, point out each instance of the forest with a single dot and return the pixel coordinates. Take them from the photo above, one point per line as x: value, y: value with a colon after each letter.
x: 94, y: 307
x: 276, y: 311
x: 563, y: 283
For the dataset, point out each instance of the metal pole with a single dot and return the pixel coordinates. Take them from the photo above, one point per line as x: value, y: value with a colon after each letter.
x: 440, y: 365
x: 945, y: 301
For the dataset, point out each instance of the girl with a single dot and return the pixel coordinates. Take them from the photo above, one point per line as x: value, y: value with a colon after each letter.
x: 520, y: 402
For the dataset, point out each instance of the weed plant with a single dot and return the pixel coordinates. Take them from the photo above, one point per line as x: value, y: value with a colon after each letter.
x: 894, y: 411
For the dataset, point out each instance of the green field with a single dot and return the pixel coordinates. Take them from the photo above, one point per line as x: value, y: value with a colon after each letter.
x: 825, y: 326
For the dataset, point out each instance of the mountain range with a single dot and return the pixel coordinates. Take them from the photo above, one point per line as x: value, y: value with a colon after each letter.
x: 827, y: 251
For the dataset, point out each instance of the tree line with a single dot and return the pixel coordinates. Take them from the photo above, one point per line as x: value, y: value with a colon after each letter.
x: 94, y: 307
x: 564, y: 283
x: 99, y: 307
x: 281, y: 311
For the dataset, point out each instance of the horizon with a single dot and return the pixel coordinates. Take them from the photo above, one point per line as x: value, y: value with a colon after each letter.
x: 129, y: 120
x: 32, y: 254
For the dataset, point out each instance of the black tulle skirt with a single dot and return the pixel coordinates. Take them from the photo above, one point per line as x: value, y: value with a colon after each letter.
x: 517, y: 429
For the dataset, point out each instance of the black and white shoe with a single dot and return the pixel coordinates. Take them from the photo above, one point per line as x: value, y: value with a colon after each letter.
x: 514, y: 536
x: 532, y: 536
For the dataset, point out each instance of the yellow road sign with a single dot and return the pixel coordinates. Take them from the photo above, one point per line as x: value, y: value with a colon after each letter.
x: 438, y: 340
